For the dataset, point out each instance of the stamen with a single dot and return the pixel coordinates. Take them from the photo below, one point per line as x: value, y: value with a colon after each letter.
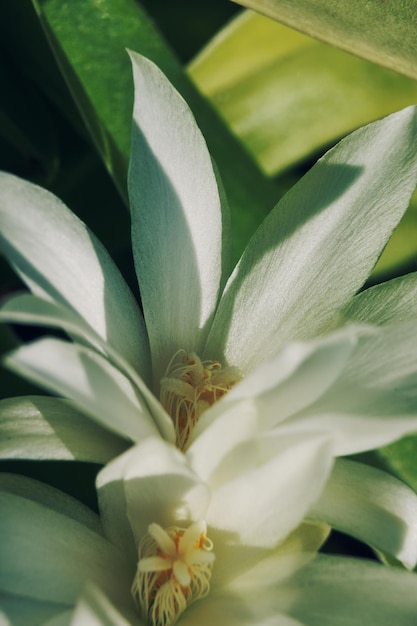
x: 174, y: 569
x: 190, y: 386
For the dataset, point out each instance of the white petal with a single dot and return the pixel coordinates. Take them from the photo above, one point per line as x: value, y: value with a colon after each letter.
x: 296, y: 377
x: 338, y: 590
x: 275, y: 566
x: 159, y: 487
x: 372, y: 506
x: 176, y: 217
x: 61, y: 260
x: 317, y: 247
x: 48, y: 556
x: 86, y: 378
x: 51, y: 498
x: 38, y: 427
x: 32, y: 310
x: 374, y: 402
x: 95, y: 609
x: 393, y: 301
x: 270, y: 493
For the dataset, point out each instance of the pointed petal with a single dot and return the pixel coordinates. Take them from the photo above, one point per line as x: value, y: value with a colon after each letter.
x: 88, y: 380
x: 299, y: 375
x: 176, y: 217
x: 372, y: 506
x: 317, y: 247
x: 32, y: 310
x: 48, y: 555
x: 374, y: 401
x: 393, y: 301
x: 38, y: 427
x: 61, y: 260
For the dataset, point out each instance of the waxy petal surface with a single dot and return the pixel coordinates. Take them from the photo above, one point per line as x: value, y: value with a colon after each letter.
x: 176, y: 217
x: 319, y: 244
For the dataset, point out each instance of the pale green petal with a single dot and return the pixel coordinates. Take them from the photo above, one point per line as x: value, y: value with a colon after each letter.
x: 277, y: 565
x: 51, y: 498
x: 372, y: 506
x: 176, y: 217
x: 95, y: 609
x: 39, y: 427
x: 48, y: 556
x: 393, y: 301
x: 374, y: 402
x: 88, y: 380
x: 160, y: 487
x: 32, y: 310
x: 317, y: 247
x: 339, y: 590
x: 21, y: 611
x: 61, y: 260
x: 62, y: 619
x: 272, y: 482
x: 299, y: 375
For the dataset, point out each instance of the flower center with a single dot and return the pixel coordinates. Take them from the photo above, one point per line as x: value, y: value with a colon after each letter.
x: 190, y: 386
x: 174, y: 569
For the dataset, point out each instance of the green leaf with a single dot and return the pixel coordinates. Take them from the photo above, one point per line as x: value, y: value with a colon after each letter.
x: 286, y: 96
x: 380, y: 31
x: 89, y: 40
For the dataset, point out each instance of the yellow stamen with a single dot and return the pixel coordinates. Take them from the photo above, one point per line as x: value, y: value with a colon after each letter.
x: 174, y: 569
x: 190, y: 386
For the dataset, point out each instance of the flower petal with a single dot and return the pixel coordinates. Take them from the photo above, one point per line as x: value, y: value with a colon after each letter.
x: 33, y: 310
x: 393, y: 301
x: 61, y: 260
x: 176, y: 217
x: 272, y: 489
x: 38, y: 427
x: 374, y: 401
x: 373, y: 506
x: 95, y: 609
x: 334, y: 590
x: 299, y: 375
x: 48, y: 555
x: 21, y: 611
x: 86, y: 378
x: 317, y: 247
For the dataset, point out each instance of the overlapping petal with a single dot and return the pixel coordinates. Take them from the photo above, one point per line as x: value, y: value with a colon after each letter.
x: 89, y: 380
x: 39, y: 427
x: 176, y: 217
x: 92, y: 286
x: 317, y: 247
x: 374, y: 402
x: 373, y: 506
x: 49, y: 554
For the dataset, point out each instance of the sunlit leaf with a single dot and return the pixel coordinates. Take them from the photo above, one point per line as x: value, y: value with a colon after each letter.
x: 286, y: 95
x: 381, y: 31
x: 89, y: 40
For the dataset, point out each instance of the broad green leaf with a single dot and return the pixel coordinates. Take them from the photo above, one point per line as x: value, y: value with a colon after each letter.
x: 382, y: 32
x: 286, y: 96
x: 89, y: 40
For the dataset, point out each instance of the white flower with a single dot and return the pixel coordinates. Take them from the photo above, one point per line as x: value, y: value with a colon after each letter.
x: 172, y: 547
x: 256, y: 352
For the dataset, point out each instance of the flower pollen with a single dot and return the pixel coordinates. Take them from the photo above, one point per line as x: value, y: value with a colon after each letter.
x: 174, y: 569
x: 190, y: 386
